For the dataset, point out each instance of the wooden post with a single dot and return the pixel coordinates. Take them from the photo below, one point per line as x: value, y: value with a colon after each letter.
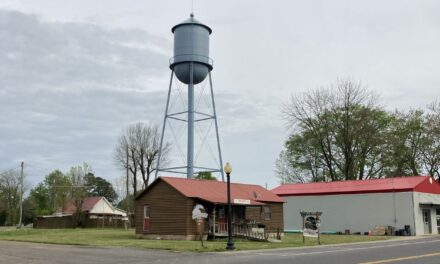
x: 127, y: 193
x: 213, y: 222
x: 20, y: 221
x: 304, y: 238
x: 319, y: 237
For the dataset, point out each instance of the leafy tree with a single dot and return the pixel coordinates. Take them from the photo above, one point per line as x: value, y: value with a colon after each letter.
x: 39, y: 200
x: 431, y: 141
x: 406, y: 143
x: 205, y: 175
x: 300, y: 162
x: 336, y: 133
x: 123, y: 203
x: 97, y: 186
x: 340, y: 133
x: 10, y: 195
x: 78, y: 193
x: 3, y: 216
x: 29, y: 211
x: 58, y: 186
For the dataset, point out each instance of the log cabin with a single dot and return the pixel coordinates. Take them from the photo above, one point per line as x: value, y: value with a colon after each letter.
x: 164, y: 209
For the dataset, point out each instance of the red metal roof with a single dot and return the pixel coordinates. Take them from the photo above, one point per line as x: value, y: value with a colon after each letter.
x: 88, y: 204
x: 401, y: 184
x: 215, y: 191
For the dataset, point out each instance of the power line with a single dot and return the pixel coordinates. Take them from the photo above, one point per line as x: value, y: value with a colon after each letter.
x: 11, y: 169
x: 40, y: 168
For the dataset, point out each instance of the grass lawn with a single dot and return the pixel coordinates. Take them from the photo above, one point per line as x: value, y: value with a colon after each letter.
x: 126, y: 238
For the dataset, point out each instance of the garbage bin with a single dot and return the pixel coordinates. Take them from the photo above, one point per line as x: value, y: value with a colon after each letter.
x: 408, y: 230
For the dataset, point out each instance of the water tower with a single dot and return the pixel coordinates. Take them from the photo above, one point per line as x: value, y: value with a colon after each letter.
x: 191, y: 65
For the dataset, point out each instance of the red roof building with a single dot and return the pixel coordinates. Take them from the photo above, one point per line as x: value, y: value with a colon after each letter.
x: 411, y: 202
x: 165, y: 208
x: 400, y: 184
x: 214, y: 191
x: 95, y: 212
x: 87, y: 206
x: 95, y: 206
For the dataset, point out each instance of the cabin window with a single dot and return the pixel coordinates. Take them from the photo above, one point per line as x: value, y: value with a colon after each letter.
x: 221, y: 212
x: 267, y: 212
x: 147, y: 212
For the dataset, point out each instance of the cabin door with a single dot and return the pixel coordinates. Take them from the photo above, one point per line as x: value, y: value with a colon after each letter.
x: 146, y: 224
x: 426, y: 213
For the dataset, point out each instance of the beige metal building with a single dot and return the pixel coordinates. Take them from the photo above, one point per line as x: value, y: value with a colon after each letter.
x: 359, y: 206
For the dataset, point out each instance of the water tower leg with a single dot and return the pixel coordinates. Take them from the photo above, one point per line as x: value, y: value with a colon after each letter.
x: 190, y: 154
x: 216, y: 128
x: 163, y: 127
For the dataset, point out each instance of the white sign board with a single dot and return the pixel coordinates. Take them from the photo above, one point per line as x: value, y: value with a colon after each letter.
x: 310, y: 232
x: 242, y: 201
x: 311, y: 223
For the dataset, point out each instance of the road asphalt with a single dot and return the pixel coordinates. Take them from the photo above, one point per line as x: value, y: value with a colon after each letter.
x: 424, y: 250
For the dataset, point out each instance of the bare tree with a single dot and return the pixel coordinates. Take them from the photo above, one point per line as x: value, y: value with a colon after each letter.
x: 142, y: 141
x: 126, y: 147
x: 149, y: 144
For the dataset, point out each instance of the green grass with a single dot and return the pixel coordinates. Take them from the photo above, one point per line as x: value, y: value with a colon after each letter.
x: 126, y: 238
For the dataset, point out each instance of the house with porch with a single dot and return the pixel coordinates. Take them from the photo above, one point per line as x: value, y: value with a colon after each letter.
x: 164, y: 209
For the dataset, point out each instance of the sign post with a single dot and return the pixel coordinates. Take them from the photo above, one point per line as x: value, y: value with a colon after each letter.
x: 311, y: 223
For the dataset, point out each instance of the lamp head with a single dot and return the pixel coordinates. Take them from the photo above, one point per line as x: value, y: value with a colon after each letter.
x: 228, y: 168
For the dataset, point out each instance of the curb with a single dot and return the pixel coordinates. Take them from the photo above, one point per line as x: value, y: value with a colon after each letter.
x: 394, y: 239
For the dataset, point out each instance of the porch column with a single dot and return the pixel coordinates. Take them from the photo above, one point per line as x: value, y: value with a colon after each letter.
x: 213, y: 221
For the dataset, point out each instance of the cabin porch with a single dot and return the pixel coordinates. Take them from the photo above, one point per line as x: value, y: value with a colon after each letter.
x: 246, y: 222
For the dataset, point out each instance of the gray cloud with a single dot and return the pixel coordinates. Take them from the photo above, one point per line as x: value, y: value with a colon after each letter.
x: 67, y: 89
x: 73, y: 77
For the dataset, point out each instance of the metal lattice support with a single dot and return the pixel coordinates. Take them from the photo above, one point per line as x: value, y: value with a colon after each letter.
x: 190, y: 167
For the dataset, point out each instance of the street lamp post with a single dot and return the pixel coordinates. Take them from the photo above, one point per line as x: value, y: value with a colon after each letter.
x: 228, y: 170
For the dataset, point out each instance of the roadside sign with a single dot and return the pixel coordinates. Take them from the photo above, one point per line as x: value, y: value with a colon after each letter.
x: 311, y: 223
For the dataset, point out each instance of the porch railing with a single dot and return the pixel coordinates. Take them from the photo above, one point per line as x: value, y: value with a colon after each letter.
x: 251, y: 231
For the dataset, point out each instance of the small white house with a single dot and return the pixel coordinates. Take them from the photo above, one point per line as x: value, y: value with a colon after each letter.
x: 359, y: 206
x: 96, y: 207
x: 96, y: 212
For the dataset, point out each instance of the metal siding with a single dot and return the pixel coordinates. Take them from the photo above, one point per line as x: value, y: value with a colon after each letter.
x: 191, y: 44
x: 425, y: 198
x: 356, y: 212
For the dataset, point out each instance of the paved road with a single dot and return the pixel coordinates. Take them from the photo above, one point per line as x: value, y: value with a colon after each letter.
x: 420, y: 251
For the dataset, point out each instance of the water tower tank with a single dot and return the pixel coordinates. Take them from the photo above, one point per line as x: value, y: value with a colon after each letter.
x: 191, y: 44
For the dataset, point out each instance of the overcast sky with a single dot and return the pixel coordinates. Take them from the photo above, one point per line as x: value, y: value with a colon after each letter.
x: 73, y: 74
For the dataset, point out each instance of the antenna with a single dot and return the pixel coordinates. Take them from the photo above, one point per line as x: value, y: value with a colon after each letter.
x: 192, y: 8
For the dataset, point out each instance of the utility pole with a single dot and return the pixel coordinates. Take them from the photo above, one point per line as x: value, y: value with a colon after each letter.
x: 21, y: 196
x: 127, y: 201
